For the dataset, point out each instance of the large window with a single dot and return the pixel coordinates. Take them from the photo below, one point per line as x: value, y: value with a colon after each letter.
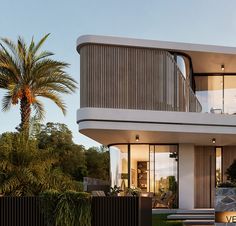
x: 209, y: 91
x: 153, y: 168
x: 139, y: 163
x: 230, y: 94
x: 218, y: 165
x: 217, y: 93
x: 119, y: 165
x: 163, y: 159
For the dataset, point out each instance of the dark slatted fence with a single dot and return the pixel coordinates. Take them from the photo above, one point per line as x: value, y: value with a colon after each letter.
x: 106, y: 211
x: 121, y: 211
x: 20, y: 211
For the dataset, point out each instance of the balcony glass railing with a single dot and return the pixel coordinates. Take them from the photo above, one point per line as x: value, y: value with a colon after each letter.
x: 217, y: 93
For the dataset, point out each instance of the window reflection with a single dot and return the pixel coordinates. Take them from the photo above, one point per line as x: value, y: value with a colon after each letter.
x: 230, y: 94
x: 153, y: 168
x: 181, y: 65
x: 165, y: 165
x: 140, y: 167
x: 217, y: 93
x: 166, y: 158
x: 209, y: 91
x: 119, y: 166
x: 218, y: 165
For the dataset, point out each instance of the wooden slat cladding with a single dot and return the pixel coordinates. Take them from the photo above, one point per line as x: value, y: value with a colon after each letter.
x: 229, y: 155
x: 204, y: 176
x: 132, y: 78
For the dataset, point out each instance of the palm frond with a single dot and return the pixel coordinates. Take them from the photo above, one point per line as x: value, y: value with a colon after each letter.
x: 22, y: 49
x: 11, y: 45
x: 6, y: 102
x: 32, y: 44
x: 43, y: 55
x: 55, y: 98
x: 9, y: 63
x: 39, y: 109
x: 9, y: 185
x: 4, y: 79
x: 40, y: 43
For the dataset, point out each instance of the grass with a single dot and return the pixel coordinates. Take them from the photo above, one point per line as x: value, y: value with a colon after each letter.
x: 161, y: 220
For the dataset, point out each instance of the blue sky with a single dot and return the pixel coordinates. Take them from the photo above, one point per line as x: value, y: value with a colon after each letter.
x: 195, y: 21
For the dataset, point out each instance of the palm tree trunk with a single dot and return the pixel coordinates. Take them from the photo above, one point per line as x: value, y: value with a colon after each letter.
x: 25, y: 110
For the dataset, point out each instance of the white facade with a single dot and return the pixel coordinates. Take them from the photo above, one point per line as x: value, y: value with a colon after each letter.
x: 114, y: 126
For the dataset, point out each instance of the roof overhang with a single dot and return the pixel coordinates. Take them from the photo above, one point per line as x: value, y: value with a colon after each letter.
x: 205, y: 58
x: 110, y: 126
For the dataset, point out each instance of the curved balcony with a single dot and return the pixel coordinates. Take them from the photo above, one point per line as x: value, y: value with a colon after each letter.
x: 133, y: 78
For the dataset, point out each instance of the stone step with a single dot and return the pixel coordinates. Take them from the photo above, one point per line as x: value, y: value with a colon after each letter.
x: 198, y: 222
x: 191, y: 217
x: 196, y: 211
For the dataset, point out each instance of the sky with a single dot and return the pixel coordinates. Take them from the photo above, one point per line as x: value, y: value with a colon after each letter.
x: 193, y: 21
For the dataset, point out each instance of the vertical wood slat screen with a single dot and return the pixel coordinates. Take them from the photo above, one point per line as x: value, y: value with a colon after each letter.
x: 204, y: 176
x: 133, y: 78
x: 106, y: 211
x: 121, y: 211
x: 20, y: 211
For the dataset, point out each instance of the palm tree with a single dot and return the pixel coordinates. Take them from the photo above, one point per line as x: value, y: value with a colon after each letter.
x: 27, y: 73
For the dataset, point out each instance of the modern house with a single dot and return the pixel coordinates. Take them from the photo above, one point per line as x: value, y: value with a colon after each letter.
x: 166, y: 111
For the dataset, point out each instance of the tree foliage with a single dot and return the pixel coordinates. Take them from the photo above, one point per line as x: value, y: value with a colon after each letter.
x: 98, y: 162
x: 231, y: 172
x: 69, y: 208
x: 47, y: 160
x: 27, y: 171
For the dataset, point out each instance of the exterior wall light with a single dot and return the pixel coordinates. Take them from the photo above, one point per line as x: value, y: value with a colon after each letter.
x: 137, y: 138
x: 213, y: 141
x: 222, y: 67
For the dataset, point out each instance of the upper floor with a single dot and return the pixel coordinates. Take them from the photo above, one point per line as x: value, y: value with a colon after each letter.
x: 138, y: 74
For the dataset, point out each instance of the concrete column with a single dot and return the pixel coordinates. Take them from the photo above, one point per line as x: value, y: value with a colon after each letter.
x: 186, y: 176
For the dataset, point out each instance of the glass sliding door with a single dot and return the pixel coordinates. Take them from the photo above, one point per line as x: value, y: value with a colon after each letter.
x: 216, y: 93
x: 153, y: 168
x: 209, y: 92
x: 218, y: 165
x: 166, y: 169
x: 139, y: 163
x: 230, y: 94
x: 119, y: 166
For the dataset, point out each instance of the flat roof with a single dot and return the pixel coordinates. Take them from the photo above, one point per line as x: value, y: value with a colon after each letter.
x: 205, y: 58
x: 146, y: 43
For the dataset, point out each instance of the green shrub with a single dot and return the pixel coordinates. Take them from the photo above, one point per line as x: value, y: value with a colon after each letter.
x: 69, y: 208
x: 161, y: 220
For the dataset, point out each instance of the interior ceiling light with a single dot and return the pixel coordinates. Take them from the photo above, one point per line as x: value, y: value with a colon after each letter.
x: 137, y: 138
x: 222, y: 67
x: 213, y: 140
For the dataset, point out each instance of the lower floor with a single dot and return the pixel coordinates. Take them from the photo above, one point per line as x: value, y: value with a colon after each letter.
x: 179, y: 154
x: 185, y: 175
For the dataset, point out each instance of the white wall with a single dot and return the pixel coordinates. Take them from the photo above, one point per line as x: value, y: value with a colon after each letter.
x: 186, y: 176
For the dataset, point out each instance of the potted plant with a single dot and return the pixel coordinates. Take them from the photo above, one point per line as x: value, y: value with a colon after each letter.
x: 114, y: 191
x: 133, y: 191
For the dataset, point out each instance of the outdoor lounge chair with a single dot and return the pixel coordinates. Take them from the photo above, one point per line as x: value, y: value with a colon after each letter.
x: 98, y: 193
x: 165, y: 201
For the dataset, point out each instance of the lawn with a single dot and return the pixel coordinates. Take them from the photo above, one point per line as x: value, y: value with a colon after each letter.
x: 161, y: 220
